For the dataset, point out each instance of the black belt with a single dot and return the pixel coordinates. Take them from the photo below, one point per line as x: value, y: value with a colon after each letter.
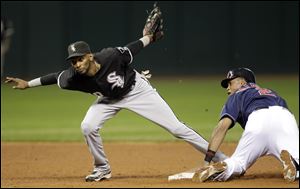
x: 263, y: 107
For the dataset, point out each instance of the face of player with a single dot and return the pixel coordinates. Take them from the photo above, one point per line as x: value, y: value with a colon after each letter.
x: 235, y: 84
x: 82, y: 64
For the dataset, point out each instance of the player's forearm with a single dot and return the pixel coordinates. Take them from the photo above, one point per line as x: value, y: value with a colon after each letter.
x: 217, y: 138
x: 136, y: 46
x: 44, y: 80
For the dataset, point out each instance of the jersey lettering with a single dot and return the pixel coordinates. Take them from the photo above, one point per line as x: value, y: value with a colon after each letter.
x: 121, y: 49
x: 261, y: 91
x: 116, y: 80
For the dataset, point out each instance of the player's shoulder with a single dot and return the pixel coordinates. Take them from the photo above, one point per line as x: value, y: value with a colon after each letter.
x: 66, y: 76
x: 70, y: 71
x: 105, y: 52
x: 109, y: 53
x: 240, y: 93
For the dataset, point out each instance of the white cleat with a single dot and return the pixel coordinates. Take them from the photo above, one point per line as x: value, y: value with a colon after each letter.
x: 289, y: 168
x: 209, y: 171
x: 98, y: 175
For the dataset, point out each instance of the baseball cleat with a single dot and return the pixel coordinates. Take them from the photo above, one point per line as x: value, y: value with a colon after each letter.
x: 289, y: 168
x: 209, y: 172
x: 98, y: 175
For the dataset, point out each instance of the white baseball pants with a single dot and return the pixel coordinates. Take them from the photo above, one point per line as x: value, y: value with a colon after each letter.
x: 267, y: 132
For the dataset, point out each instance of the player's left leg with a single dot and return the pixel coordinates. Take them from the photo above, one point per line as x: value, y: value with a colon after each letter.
x: 94, y: 120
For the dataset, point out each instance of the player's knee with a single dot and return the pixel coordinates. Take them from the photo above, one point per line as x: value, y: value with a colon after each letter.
x: 177, y: 132
x: 87, y: 128
x: 238, y: 166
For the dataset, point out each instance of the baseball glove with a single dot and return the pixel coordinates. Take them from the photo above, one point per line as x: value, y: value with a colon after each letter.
x: 154, y: 24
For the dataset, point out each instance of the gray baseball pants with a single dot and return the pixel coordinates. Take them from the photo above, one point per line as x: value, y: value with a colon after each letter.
x: 144, y: 100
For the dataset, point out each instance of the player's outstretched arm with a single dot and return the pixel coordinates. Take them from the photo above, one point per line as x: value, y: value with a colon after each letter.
x: 44, y: 80
x: 217, y: 138
x: 19, y: 83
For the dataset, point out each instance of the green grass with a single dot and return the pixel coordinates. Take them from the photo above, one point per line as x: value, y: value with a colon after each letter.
x: 51, y: 114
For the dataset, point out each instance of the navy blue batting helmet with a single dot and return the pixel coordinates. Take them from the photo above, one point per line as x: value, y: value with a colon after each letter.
x: 245, y: 73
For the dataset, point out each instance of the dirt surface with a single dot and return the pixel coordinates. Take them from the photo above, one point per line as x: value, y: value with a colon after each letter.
x: 134, y: 165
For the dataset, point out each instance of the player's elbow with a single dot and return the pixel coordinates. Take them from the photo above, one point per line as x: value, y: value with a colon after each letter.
x: 224, y: 124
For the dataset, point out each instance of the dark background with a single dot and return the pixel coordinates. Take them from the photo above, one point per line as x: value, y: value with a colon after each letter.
x: 201, y: 38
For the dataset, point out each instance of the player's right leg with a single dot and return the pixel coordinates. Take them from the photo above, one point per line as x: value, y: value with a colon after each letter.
x: 257, y: 141
x: 94, y: 119
x: 145, y: 101
x: 290, y: 171
x: 285, y: 142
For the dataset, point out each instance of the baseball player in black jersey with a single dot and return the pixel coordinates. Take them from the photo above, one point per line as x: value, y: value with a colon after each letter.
x: 108, y: 74
x: 269, y: 129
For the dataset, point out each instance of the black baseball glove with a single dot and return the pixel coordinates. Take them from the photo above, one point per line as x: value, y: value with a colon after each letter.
x: 154, y: 24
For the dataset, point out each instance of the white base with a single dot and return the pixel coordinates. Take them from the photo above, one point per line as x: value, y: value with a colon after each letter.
x: 181, y: 176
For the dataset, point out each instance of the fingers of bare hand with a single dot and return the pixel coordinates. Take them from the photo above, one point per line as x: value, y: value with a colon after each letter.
x: 8, y: 79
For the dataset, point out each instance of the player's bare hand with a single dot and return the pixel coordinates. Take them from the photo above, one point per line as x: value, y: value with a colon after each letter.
x: 206, y: 163
x: 20, y: 83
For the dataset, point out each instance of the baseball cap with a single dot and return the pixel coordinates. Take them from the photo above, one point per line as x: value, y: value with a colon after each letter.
x: 245, y: 73
x: 79, y: 48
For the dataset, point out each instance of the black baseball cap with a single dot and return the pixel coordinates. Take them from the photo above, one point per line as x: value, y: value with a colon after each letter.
x: 245, y: 73
x: 79, y: 48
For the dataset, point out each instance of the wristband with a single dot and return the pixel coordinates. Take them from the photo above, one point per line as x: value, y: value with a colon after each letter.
x: 145, y: 40
x: 34, y: 82
x: 209, y: 155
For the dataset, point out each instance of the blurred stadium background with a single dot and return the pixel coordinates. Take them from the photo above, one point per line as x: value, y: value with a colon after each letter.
x: 205, y: 37
x: 202, y: 41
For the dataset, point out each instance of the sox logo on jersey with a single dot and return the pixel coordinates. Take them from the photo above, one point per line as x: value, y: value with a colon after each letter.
x: 116, y: 80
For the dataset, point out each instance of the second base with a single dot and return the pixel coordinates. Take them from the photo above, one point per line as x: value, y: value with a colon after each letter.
x: 181, y: 176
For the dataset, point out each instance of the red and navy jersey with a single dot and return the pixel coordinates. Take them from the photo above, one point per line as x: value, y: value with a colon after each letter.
x: 247, y: 99
x: 113, y: 80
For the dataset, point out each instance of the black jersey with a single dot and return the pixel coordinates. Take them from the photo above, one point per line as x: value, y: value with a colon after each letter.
x: 114, y: 79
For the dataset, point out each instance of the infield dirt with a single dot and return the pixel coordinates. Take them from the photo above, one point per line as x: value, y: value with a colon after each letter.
x: 133, y: 165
